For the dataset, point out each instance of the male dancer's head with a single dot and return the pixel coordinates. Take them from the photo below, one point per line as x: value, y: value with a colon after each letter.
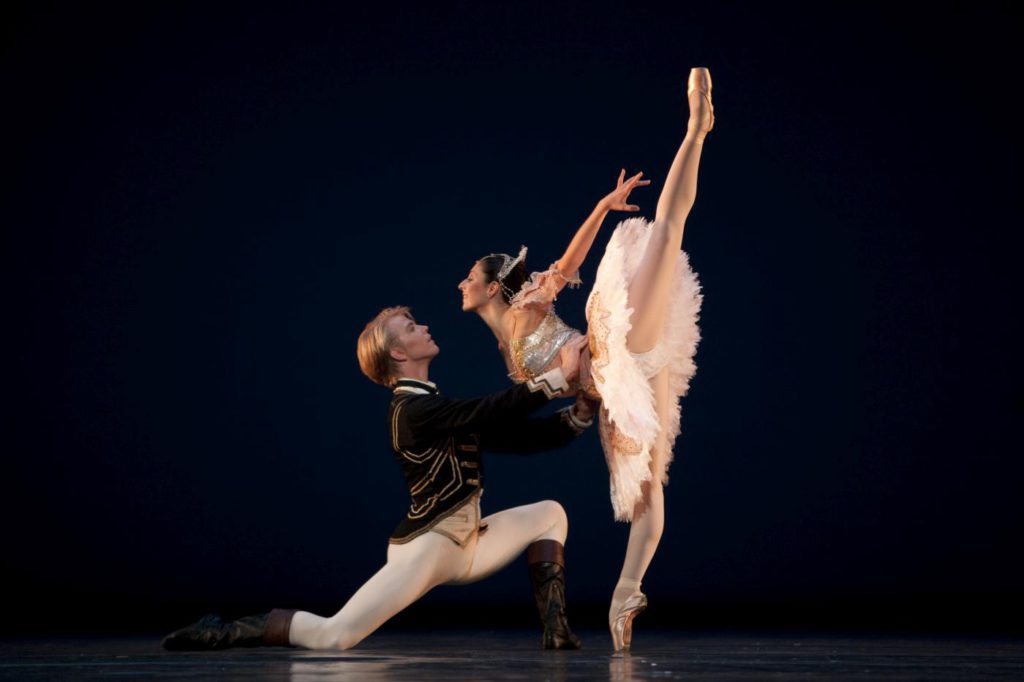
x: 393, y: 345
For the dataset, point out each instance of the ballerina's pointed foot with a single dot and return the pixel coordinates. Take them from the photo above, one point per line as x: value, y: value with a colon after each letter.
x: 702, y: 111
x: 621, y: 622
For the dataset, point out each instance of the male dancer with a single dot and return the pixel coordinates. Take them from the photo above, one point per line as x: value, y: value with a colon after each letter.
x: 442, y: 540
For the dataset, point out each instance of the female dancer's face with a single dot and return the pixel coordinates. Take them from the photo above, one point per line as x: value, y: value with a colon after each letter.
x: 475, y: 290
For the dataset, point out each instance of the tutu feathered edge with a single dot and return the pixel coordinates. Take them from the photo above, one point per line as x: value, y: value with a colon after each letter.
x: 624, y: 385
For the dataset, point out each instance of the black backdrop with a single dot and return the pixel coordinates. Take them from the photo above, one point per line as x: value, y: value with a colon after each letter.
x: 205, y: 204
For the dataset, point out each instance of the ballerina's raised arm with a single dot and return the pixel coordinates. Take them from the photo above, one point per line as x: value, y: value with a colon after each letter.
x: 531, y: 302
x: 616, y: 200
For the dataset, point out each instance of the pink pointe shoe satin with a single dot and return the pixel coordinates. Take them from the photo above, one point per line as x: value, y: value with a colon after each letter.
x: 621, y: 624
x: 702, y: 119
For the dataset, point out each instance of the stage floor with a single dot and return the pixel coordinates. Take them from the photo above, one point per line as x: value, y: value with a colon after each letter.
x: 513, y: 655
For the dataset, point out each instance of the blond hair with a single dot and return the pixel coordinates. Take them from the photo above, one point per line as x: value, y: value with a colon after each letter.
x: 374, y: 347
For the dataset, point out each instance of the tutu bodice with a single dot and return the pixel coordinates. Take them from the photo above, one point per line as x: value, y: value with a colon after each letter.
x: 534, y: 354
x: 538, y: 352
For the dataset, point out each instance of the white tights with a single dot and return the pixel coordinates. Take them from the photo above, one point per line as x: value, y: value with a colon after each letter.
x: 416, y: 567
x: 649, y: 515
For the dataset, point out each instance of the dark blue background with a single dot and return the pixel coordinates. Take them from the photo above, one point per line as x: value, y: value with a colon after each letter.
x: 205, y: 204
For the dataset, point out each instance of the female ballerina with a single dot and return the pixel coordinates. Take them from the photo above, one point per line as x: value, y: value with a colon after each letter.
x: 642, y: 329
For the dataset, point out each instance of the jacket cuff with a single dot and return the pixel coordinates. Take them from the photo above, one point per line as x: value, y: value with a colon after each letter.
x: 552, y: 383
x: 570, y: 417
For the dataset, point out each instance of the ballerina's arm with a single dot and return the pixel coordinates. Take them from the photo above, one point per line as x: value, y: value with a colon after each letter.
x: 533, y: 301
x: 581, y: 242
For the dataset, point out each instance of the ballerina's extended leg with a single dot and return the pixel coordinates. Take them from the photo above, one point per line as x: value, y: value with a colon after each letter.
x: 650, y: 288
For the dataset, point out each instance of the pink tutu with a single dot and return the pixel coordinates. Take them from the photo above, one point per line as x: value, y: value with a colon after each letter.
x: 639, y: 392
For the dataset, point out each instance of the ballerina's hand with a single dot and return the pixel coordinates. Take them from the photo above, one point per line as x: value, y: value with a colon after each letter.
x: 618, y: 199
x: 570, y: 357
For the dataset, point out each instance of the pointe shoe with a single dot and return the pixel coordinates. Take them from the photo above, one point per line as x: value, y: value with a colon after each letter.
x: 700, y: 81
x: 621, y: 624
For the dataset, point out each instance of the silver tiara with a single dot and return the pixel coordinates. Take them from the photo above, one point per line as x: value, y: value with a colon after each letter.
x: 508, y: 262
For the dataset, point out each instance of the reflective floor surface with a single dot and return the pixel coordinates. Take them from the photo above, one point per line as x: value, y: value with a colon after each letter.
x: 514, y: 655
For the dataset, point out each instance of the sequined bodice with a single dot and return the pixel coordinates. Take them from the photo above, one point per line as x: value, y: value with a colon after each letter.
x: 531, y: 354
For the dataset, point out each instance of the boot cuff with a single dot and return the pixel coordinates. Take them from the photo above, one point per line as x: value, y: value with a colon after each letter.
x: 278, y: 624
x: 546, y: 551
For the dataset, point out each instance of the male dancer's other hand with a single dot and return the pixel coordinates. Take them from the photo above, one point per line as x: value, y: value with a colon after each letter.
x: 585, y: 408
x: 570, y: 356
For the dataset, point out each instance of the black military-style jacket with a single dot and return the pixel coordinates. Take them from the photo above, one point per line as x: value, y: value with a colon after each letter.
x: 438, y: 441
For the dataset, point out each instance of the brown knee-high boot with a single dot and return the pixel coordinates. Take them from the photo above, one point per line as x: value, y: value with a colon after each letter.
x: 212, y: 632
x: 546, y: 561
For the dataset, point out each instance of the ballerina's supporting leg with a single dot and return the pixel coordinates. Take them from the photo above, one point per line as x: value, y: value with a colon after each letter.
x: 644, y: 536
x: 648, y: 517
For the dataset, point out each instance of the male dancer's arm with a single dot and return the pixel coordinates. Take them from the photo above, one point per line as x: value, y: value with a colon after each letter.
x: 422, y: 418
